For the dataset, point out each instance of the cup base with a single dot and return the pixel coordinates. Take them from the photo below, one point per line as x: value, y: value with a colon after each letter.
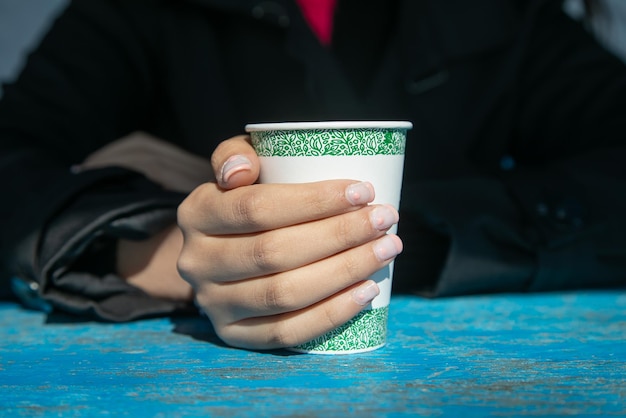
x: 365, y: 332
x: 335, y: 353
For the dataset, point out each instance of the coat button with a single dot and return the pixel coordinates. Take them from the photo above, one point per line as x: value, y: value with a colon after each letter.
x: 567, y: 215
x: 28, y: 294
x: 507, y: 163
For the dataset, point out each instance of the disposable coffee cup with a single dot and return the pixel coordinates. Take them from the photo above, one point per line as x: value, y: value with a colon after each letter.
x: 302, y: 152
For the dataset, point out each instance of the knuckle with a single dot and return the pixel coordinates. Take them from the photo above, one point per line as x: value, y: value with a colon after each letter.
x: 346, y: 232
x: 318, y: 202
x: 331, y: 317
x: 328, y: 199
x: 283, y: 335
x: 193, y: 206
x: 183, y: 213
x: 265, y: 254
x: 186, y: 266
x: 248, y: 209
x: 352, y: 267
x: 226, y: 334
x: 278, y: 296
x: 279, y: 335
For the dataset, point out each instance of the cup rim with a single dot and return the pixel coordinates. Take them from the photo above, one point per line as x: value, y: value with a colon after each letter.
x: 293, y: 126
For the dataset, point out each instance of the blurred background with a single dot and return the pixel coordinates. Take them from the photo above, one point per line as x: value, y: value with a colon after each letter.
x: 605, y: 18
x: 23, y: 22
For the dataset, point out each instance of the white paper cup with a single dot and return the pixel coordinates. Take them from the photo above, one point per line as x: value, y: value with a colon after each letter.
x: 302, y: 152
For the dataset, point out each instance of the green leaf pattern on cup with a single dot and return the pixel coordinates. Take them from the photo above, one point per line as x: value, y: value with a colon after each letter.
x: 317, y: 142
x: 367, y: 330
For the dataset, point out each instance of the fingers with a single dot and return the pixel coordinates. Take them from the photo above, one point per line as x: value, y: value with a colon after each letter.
x: 305, y: 286
x: 210, y: 210
x: 296, y: 327
x: 294, y: 246
x: 275, y: 265
x: 235, y: 163
x: 291, y: 308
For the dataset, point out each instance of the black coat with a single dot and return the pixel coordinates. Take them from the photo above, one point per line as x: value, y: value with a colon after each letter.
x: 514, y: 180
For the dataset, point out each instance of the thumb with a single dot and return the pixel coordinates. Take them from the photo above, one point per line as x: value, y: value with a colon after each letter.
x: 235, y: 163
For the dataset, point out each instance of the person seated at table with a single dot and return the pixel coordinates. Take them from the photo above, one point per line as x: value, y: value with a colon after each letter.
x: 129, y: 190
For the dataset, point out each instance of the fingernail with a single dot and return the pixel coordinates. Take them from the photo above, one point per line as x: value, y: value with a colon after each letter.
x: 387, y: 247
x: 382, y: 217
x: 360, y: 193
x: 365, y: 293
x: 233, y: 165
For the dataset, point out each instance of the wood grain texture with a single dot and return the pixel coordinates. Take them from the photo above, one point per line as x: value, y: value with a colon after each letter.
x: 504, y: 355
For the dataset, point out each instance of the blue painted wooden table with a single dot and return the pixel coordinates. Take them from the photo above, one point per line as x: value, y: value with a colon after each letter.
x: 505, y: 355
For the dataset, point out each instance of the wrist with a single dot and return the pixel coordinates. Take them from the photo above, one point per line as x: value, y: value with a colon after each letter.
x: 151, y: 265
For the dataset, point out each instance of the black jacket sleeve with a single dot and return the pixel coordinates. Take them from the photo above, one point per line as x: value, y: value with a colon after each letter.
x: 69, y: 263
x: 85, y: 86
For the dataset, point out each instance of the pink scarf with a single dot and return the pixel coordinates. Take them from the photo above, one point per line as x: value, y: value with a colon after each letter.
x: 319, y: 15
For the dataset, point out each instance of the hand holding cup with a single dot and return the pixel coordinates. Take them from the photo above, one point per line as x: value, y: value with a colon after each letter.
x: 277, y: 265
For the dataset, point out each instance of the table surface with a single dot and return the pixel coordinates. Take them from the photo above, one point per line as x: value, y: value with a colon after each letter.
x: 504, y: 355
